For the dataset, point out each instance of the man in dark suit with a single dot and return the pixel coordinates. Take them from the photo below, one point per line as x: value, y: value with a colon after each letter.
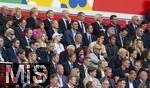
x: 3, y: 15
x: 110, y: 31
x: 111, y: 47
x: 9, y: 35
x: 143, y: 79
x: 130, y: 80
x: 69, y: 35
x: 53, y: 63
x: 64, y: 22
x: 3, y: 55
x: 88, y: 37
x: 108, y: 75
x: 19, y: 31
x: 33, y: 20
x: 82, y: 26
x: 47, y: 22
x: 114, y: 23
x: 71, y: 82
x: 64, y: 54
x: 121, y: 37
x: 71, y: 63
x: 25, y: 41
x: 13, y: 50
x: 78, y: 41
x: 55, y: 29
x: 135, y: 22
x: 84, y: 67
x: 98, y: 26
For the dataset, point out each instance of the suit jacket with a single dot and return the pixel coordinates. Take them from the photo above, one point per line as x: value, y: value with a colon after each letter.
x: 134, y: 83
x: 51, y: 32
x: 97, y: 28
x: 117, y: 28
x: 131, y: 30
x: 7, y: 42
x: 16, y: 21
x: 4, y: 53
x: 62, y: 25
x: 24, y: 42
x: 52, y: 68
x: 68, y: 35
x: 67, y: 68
x: 111, y: 82
x: 3, y: 19
x: 48, y: 25
x: 138, y: 82
x: 95, y: 81
x: 19, y: 33
x: 86, y: 40
x: 82, y: 72
x: 63, y: 56
x: 80, y: 28
x: 12, y: 55
x: 119, y: 41
x: 31, y: 22
x: 111, y: 50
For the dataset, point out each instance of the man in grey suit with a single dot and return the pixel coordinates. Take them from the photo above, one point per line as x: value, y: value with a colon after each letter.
x: 92, y: 74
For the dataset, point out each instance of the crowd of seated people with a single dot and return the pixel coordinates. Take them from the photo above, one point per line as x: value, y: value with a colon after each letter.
x: 77, y: 54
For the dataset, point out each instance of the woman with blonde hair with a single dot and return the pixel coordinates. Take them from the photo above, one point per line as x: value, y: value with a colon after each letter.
x: 32, y: 58
x: 16, y: 13
x: 75, y: 72
x: 42, y: 40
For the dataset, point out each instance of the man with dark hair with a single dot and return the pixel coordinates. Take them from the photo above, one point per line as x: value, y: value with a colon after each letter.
x: 82, y: 25
x: 114, y: 23
x: 121, y: 37
x: 69, y: 35
x: 91, y: 77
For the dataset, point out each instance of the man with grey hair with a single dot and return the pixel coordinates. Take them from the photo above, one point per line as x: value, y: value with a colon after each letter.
x: 135, y: 22
x: 64, y: 22
x: 3, y: 15
x: 64, y: 55
x: 98, y: 26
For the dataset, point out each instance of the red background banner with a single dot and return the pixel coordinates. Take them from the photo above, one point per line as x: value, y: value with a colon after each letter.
x: 122, y: 6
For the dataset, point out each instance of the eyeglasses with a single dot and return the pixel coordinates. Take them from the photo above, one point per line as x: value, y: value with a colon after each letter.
x: 98, y: 48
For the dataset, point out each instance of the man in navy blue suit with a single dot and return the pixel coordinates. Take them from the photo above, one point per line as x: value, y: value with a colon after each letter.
x: 3, y: 15
x: 88, y: 37
x: 98, y: 26
x: 48, y: 21
x: 64, y: 22
x: 69, y: 35
x: 82, y: 26
x: 19, y: 31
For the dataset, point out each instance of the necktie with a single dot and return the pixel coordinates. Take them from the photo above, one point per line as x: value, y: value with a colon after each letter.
x: 67, y: 22
x: 83, y: 28
x: 90, y: 40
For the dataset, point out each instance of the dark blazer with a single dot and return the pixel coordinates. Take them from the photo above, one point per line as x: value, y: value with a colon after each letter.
x: 19, y: 33
x: 67, y: 68
x: 62, y: 25
x: 3, y: 19
x: 134, y: 83
x: 25, y: 43
x: 47, y: 24
x: 85, y: 39
x: 131, y: 30
x: 7, y: 42
x: 97, y: 28
x: 138, y: 82
x: 52, y: 68
x: 4, y: 53
x: 118, y: 41
x: 63, y: 56
x: 80, y: 28
x: 117, y: 28
x: 51, y: 32
x: 31, y: 23
x: 12, y: 55
x: 111, y: 50
x: 16, y: 21
x: 82, y: 72
x: 111, y: 82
